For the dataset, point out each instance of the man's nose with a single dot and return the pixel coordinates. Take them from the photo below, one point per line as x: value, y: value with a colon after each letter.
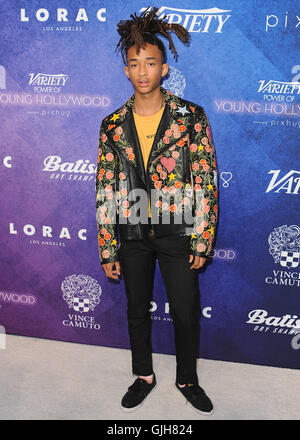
x: 142, y: 69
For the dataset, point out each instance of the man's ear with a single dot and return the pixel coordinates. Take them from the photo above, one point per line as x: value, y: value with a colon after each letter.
x: 126, y: 71
x: 165, y: 69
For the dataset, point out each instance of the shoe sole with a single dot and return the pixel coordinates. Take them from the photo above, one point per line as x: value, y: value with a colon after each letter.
x: 139, y: 405
x: 198, y: 411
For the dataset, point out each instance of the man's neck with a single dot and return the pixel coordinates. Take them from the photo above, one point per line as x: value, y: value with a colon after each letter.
x: 148, y: 104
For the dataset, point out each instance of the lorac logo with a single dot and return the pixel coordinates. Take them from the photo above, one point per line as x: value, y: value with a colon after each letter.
x: 62, y: 15
x: 196, y: 20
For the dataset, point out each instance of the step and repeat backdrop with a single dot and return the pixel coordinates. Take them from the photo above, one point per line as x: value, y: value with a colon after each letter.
x: 59, y: 77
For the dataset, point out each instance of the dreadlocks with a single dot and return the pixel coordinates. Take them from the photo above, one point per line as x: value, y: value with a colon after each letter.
x: 141, y: 30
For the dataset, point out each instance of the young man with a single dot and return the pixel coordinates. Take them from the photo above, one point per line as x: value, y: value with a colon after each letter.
x: 156, y: 198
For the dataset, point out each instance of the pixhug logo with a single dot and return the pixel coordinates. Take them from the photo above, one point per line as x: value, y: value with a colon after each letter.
x: 196, y: 20
x: 282, y: 21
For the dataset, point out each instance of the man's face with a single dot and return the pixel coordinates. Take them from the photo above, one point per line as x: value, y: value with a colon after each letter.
x: 145, y: 69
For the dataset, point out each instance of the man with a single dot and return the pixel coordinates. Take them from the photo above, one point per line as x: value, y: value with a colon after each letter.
x: 156, y: 148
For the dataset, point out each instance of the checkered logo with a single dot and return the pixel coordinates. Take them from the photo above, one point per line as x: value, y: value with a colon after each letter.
x: 81, y: 304
x: 289, y: 258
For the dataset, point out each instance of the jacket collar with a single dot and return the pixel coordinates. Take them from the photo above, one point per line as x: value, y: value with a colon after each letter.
x: 172, y: 102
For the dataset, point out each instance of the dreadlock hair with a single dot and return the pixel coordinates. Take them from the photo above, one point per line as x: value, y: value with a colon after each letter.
x: 141, y: 30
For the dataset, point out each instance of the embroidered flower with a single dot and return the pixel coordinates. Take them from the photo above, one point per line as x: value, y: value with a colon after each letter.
x: 109, y: 175
x: 109, y: 157
x: 105, y: 253
x: 119, y: 130
x: 201, y: 247
x: 131, y: 156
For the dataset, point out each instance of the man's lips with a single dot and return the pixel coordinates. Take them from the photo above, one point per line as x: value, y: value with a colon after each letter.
x: 143, y: 83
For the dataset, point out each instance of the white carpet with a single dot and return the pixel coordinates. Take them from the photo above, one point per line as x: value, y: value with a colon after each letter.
x: 52, y: 380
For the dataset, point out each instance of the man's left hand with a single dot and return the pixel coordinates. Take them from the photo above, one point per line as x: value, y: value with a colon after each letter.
x: 198, y: 261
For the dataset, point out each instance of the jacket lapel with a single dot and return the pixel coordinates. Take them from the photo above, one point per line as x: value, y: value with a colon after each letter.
x: 131, y: 135
x: 123, y: 133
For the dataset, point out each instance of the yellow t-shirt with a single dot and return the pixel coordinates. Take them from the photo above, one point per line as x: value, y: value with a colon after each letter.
x: 146, y: 127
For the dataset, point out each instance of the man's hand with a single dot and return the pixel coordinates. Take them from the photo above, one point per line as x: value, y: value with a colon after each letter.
x: 198, y: 261
x: 109, y: 270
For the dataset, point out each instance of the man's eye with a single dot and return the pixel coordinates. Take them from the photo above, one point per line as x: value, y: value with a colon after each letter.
x: 133, y: 65
x: 151, y: 64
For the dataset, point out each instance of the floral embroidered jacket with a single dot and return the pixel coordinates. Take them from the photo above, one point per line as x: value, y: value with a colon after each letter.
x: 181, y: 176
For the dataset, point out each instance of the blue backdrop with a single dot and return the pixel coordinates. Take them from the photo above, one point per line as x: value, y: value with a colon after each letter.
x: 59, y: 77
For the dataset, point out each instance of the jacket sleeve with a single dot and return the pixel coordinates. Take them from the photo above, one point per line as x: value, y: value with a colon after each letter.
x: 106, y: 206
x: 205, y: 182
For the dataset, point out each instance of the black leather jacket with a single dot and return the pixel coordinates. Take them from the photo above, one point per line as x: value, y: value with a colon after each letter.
x: 181, y: 170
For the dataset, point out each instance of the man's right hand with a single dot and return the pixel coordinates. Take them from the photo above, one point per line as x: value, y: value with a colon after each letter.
x: 109, y: 270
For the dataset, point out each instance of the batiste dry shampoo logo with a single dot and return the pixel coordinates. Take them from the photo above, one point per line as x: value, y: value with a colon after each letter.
x: 82, y: 294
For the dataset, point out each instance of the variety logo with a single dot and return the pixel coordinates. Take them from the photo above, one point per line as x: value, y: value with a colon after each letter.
x: 284, y: 243
x: 279, y: 90
x: 43, y: 82
x: 82, y: 294
x: 196, y: 20
x: 62, y: 15
x: 175, y: 82
x: 289, y: 183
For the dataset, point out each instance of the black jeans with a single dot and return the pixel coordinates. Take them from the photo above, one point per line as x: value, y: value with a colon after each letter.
x: 138, y: 261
